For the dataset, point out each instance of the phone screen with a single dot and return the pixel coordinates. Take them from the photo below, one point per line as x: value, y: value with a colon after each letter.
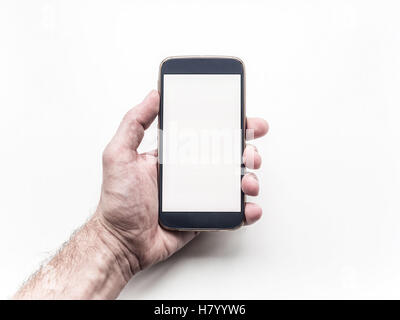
x: 202, y: 143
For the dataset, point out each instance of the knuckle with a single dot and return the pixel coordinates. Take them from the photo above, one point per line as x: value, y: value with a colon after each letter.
x: 252, y: 175
x: 109, y: 156
x: 136, y: 128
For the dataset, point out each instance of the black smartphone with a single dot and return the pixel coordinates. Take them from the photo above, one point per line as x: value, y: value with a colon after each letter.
x: 201, y: 142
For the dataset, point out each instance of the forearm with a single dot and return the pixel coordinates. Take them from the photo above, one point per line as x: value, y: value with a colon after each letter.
x: 92, y: 265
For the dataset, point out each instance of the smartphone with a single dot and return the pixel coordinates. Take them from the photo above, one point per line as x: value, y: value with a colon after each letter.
x: 200, y: 143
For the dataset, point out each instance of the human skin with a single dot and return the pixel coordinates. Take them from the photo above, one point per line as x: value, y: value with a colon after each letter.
x: 123, y: 236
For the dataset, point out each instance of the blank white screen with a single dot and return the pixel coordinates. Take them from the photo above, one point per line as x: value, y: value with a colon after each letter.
x: 201, y: 143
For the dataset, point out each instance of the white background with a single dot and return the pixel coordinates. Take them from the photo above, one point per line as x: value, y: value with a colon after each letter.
x: 325, y: 74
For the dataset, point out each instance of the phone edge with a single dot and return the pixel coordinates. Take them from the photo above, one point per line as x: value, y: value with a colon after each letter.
x: 244, y: 125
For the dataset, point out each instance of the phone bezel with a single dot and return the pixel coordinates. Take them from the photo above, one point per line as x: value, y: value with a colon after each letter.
x: 200, y: 221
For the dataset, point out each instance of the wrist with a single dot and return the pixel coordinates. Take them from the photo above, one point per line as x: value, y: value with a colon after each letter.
x: 92, y: 265
x: 125, y: 261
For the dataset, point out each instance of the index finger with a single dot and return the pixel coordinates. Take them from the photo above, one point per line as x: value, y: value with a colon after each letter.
x: 256, y: 128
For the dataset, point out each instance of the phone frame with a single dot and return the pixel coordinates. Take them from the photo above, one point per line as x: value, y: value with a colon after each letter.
x: 200, y: 221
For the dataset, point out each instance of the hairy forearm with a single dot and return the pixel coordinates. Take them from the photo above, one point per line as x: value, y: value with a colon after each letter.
x: 92, y: 265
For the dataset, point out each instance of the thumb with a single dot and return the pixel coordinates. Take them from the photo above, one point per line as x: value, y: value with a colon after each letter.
x: 131, y: 130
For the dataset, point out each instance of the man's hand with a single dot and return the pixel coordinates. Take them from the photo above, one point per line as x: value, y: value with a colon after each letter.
x: 129, y: 198
x: 124, y: 237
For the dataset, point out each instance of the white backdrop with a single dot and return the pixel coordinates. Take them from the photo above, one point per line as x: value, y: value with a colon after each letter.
x: 325, y: 74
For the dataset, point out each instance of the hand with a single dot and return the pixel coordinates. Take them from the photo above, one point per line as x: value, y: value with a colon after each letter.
x: 128, y: 207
